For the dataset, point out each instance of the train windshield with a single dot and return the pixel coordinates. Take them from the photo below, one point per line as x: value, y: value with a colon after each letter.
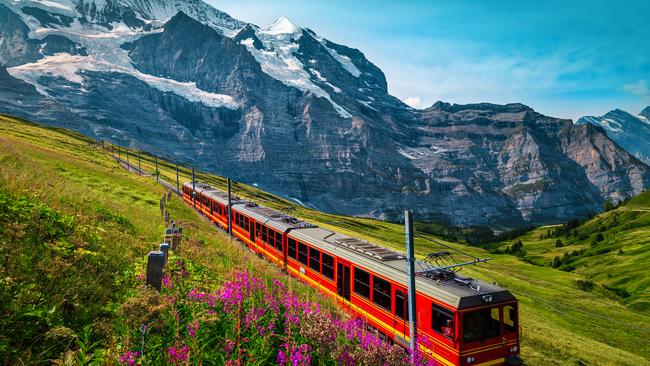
x: 487, y: 323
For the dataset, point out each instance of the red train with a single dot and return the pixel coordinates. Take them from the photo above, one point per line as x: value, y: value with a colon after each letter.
x: 468, y: 322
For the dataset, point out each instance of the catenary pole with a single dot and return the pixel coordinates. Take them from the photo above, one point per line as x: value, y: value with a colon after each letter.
x: 193, y: 188
x: 410, y: 258
x: 139, y: 166
x: 157, y: 175
x: 178, y: 187
x: 229, y: 210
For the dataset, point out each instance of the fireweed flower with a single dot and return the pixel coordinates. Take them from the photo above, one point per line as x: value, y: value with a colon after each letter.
x: 192, y: 328
x: 260, y: 310
x: 178, y: 355
x: 167, y: 282
x: 128, y: 358
x: 229, y: 347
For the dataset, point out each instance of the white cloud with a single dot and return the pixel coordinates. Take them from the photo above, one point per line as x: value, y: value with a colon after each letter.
x: 639, y: 88
x: 414, y: 102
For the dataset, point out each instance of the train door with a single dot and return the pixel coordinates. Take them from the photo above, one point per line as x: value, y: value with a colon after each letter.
x: 343, y: 279
x: 401, y: 310
x: 251, y: 230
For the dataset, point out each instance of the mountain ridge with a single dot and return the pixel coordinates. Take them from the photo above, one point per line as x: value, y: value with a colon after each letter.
x: 303, y: 117
x: 629, y: 131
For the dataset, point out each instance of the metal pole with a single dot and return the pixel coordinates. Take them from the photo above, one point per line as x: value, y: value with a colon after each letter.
x: 127, y: 159
x: 193, y: 188
x: 178, y: 189
x: 229, y: 210
x: 410, y: 259
x: 119, y: 152
x: 157, y: 176
x: 139, y: 166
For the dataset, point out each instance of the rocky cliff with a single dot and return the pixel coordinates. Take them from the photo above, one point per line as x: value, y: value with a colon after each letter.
x: 296, y: 114
x: 629, y: 131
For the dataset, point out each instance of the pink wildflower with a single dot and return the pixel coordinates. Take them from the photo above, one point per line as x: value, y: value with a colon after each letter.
x: 192, y: 328
x: 178, y: 355
x: 128, y: 358
x: 167, y: 282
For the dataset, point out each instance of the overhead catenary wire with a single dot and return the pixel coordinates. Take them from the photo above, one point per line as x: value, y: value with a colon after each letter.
x: 447, y: 246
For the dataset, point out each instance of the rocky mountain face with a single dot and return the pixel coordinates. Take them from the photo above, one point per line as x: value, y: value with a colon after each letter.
x: 296, y: 114
x: 630, y: 132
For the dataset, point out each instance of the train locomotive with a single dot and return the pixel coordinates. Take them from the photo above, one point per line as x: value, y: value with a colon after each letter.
x: 466, y: 321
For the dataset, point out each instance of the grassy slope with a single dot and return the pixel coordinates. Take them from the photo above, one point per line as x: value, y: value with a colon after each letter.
x: 618, y: 263
x: 60, y: 170
x: 561, y: 324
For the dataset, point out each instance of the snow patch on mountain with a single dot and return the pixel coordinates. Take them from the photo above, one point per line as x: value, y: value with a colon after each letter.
x: 281, y: 26
x: 65, y: 5
x: 71, y: 68
x: 345, y: 61
x: 278, y: 60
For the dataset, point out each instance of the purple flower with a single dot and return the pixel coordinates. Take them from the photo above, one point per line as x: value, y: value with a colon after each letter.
x: 192, y: 328
x: 282, y: 358
x: 178, y: 355
x: 128, y: 358
x: 230, y: 345
x: 167, y: 282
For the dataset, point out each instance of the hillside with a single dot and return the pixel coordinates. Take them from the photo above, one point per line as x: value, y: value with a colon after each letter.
x: 561, y: 324
x: 301, y: 116
x: 74, y: 230
x: 612, y: 250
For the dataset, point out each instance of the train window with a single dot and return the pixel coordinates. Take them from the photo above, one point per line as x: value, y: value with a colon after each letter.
x: 314, y: 259
x: 278, y: 241
x: 381, y: 290
x: 400, y: 305
x: 292, y: 248
x: 442, y: 321
x: 264, y: 235
x: 328, y: 266
x: 481, y: 325
x: 302, y: 253
x: 273, y: 239
x: 362, y: 283
x: 510, y: 318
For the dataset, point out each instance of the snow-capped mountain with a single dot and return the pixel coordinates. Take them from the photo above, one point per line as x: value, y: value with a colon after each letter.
x: 296, y: 114
x: 630, y: 131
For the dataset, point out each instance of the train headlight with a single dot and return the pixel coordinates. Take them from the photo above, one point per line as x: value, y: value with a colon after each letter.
x: 514, y: 349
x: 470, y: 359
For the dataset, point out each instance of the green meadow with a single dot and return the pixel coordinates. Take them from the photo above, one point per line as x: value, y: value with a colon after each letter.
x: 590, y: 309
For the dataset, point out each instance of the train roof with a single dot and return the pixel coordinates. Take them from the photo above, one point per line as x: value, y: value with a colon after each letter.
x: 218, y: 195
x: 270, y: 217
x: 459, y: 292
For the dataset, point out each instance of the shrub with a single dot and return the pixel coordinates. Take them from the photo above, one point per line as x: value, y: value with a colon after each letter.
x: 584, y: 285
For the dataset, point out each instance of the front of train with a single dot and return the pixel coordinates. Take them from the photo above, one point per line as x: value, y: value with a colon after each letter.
x: 489, y: 334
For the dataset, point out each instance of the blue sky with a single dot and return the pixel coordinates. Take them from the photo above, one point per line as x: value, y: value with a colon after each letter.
x: 563, y: 58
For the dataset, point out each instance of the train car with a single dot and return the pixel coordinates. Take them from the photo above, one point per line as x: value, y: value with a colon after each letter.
x: 466, y: 321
